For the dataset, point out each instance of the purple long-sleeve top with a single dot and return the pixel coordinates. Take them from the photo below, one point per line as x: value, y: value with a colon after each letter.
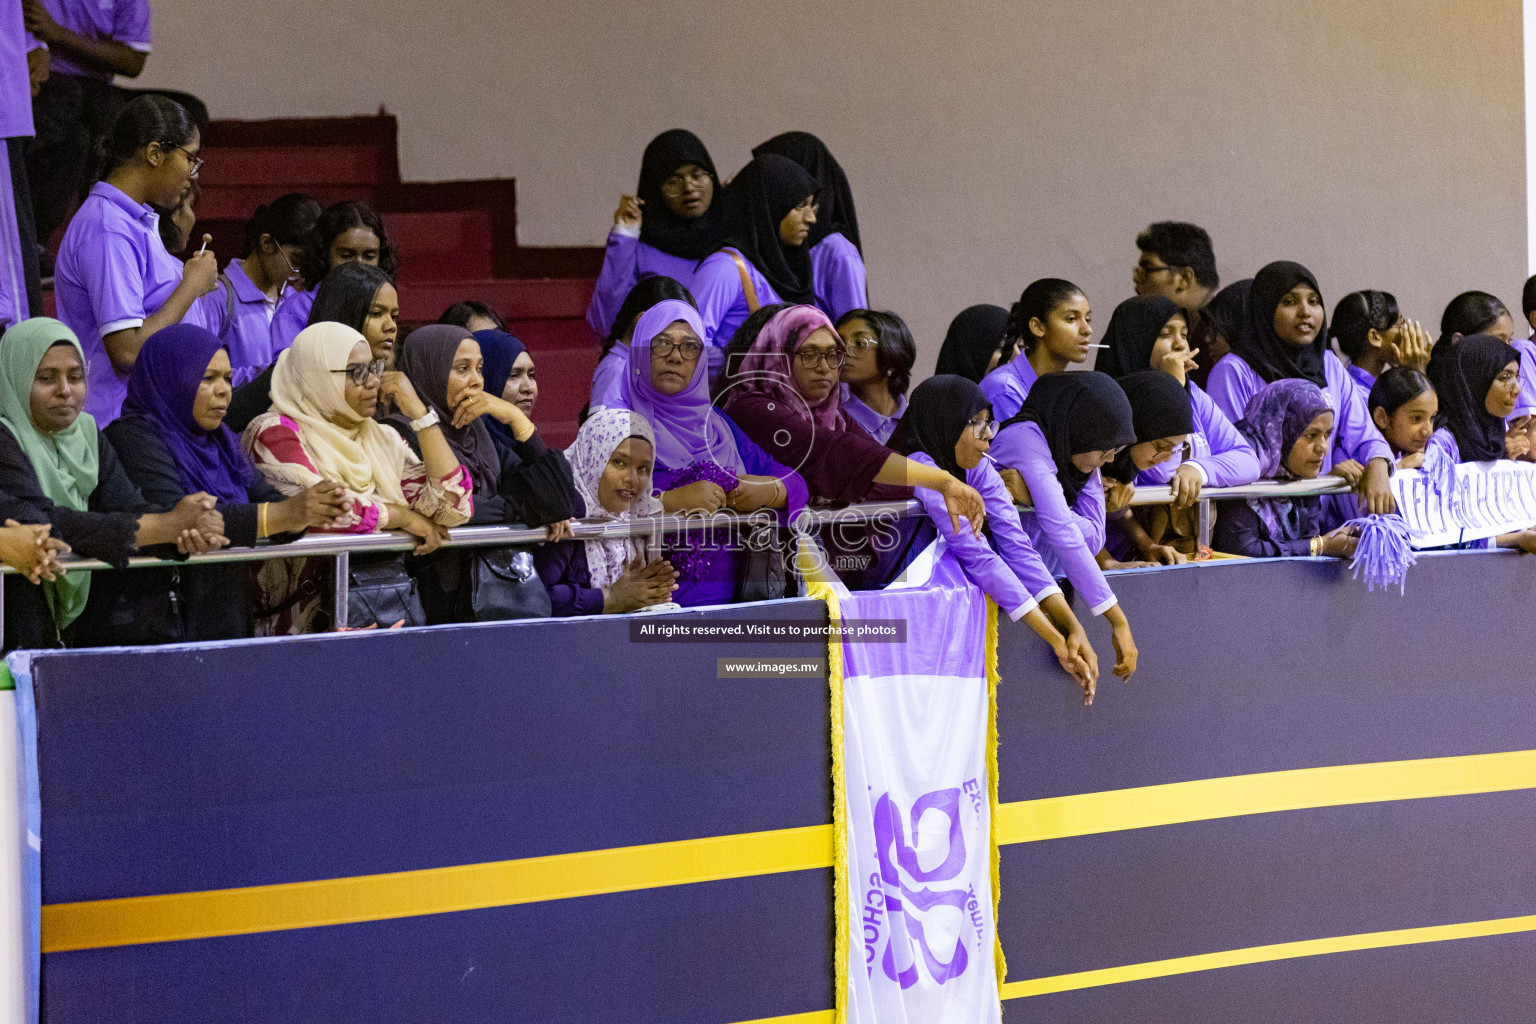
x: 1233, y: 382
x: 1222, y: 454
x: 1525, y: 404
x: 716, y: 578
x: 1007, y: 386
x: 1067, y: 538
x: 838, y: 271
x: 15, y: 83
x: 291, y: 317
x: 608, y: 378
x: 1013, y: 575
x: 625, y: 261
x: 721, y: 300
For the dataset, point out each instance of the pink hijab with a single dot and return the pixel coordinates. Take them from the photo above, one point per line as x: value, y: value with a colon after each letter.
x: 765, y: 369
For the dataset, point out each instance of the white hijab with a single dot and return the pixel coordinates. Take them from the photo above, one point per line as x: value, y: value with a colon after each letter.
x: 588, y: 455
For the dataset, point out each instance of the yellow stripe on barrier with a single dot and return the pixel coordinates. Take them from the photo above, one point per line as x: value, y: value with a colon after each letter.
x: 198, y: 915
x: 1033, y: 821
x: 815, y: 1017
x: 1265, y: 954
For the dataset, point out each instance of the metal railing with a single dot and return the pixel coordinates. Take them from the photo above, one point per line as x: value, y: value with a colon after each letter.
x: 342, y: 546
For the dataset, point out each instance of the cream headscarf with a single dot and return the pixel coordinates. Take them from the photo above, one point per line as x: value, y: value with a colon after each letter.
x: 366, y: 456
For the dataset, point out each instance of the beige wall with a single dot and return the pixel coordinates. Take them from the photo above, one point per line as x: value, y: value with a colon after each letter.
x: 988, y: 143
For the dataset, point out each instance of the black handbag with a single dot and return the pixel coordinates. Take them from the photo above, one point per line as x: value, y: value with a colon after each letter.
x: 761, y: 576
x: 503, y: 584
x: 137, y: 618
x: 381, y: 593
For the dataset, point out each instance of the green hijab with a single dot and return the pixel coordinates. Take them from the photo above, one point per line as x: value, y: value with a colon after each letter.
x: 66, y: 462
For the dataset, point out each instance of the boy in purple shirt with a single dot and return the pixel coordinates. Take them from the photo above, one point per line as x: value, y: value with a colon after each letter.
x: 116, y: 285
x: 89, y: 41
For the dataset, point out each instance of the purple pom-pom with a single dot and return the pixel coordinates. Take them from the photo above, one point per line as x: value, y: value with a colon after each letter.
x: 1383, y: 551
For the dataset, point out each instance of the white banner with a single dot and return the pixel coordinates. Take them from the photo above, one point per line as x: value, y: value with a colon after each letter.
x: 1483, y: 499
x: 919, y: 931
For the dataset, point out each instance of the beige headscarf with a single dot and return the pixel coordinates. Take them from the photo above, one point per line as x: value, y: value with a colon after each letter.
x: 366, y: 456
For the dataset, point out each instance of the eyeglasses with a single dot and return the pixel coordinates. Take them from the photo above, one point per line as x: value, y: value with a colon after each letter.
x: 362, y: 373
x: 689, y: 350
x: 194, y: 160
x: 834, y: 358
x: 862, y: 344
x: 807, y: 207
x: 678, y: 183
x: 983, y: 430
x: 1141, y: 270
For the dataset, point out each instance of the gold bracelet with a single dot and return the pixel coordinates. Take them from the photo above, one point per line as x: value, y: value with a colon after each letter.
x: 261, y: 528
x: 1317, y: 546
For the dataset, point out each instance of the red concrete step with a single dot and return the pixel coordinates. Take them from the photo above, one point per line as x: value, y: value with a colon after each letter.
x: 450, y: 246
x: 303, y: 166
x: 238, y: 202
x: 553, y: 298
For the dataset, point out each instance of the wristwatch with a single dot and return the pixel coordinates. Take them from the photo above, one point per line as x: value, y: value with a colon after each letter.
x: 429, y: 420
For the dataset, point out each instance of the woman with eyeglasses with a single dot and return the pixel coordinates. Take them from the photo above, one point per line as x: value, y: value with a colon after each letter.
x: 1149, y: 333
x: 837, y: 254
x: 114, y: 283
x: 879, y: 369
x: 949, y: 429
x: 241, y: 308
x: 770, y: 209
x: 786, y: 398
x: 346, y: 232
x: 664, y: 229
x: 1048, y: 330
x: 1070, y: 426
x: 704, y: 462
x: 325, y: 391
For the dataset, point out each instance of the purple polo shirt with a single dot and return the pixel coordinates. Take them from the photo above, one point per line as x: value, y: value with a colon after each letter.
x: 15, y: 86
x: 625, y: 261
x: 292, y: 316
x: 112, y: 273
x: 838, y: 272
x: 248, y: 335
x: 126, y: 21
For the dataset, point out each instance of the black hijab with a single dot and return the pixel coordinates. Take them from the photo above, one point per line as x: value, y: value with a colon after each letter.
x: 973, y: 336
x: 1132, y: 334
x: 1159, y: 408
x: 427, y: 360
x: 1466, y: 375
x: 1228, y: 310
x: 1258, y: 344
x: 756, y: 201
x: 660, y: 228
x: 1078, y: 411
x: 937, y: 412
x: 836, y: 213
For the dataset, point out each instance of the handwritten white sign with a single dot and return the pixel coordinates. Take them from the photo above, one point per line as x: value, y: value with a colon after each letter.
x: 1487, y: 499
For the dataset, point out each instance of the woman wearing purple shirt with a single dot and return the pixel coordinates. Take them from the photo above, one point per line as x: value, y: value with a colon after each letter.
x: 116, y: 285
x: 949, y: 427
x: 1070, y: 426
x: 664, y: 229
x: 770, y: 208
x: 837, y: 254
x: 879, y: 369
x: 1049, y: 327
x: 347, y: 232
x: 608, y: 378
x: 1373, y: 335
x: 1284, y: 335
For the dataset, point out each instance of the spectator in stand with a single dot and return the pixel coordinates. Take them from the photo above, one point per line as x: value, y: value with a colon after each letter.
x: 1177, y: 262
x: 172, y: 441
x: 1289, y: 423
x: 785, y: 398
x: 1050, y: 328
x: 88, y: 43
x: 670, y: 224
x: 608, y: 378
x: 1219, y: 323
x: 837, y: 254
x: 612, y: 458
x: 474, y: 315
x: 1479, y: 390
x: 1149, y: 333
x: 1070, y: 426
x: 56, y: 468
x: 878, y: 372
x: 704, y: 462
x: 973, y: 347
x: 177, y: 222
x: 1161, y: 414
x: 355, y: 294
x: 1285, y: 336
x: 949, y: 429
x: 116, y: 285
x: 770, y: 209
x: 517, y: 480
x: 507, y: 373
x: 1404, y: 407
x: 241, y: 309
x: 346, y: 232
x: 325, y: 391
x: 23, y: 69
x: 1467, y: 314
x: 1373, y: 335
